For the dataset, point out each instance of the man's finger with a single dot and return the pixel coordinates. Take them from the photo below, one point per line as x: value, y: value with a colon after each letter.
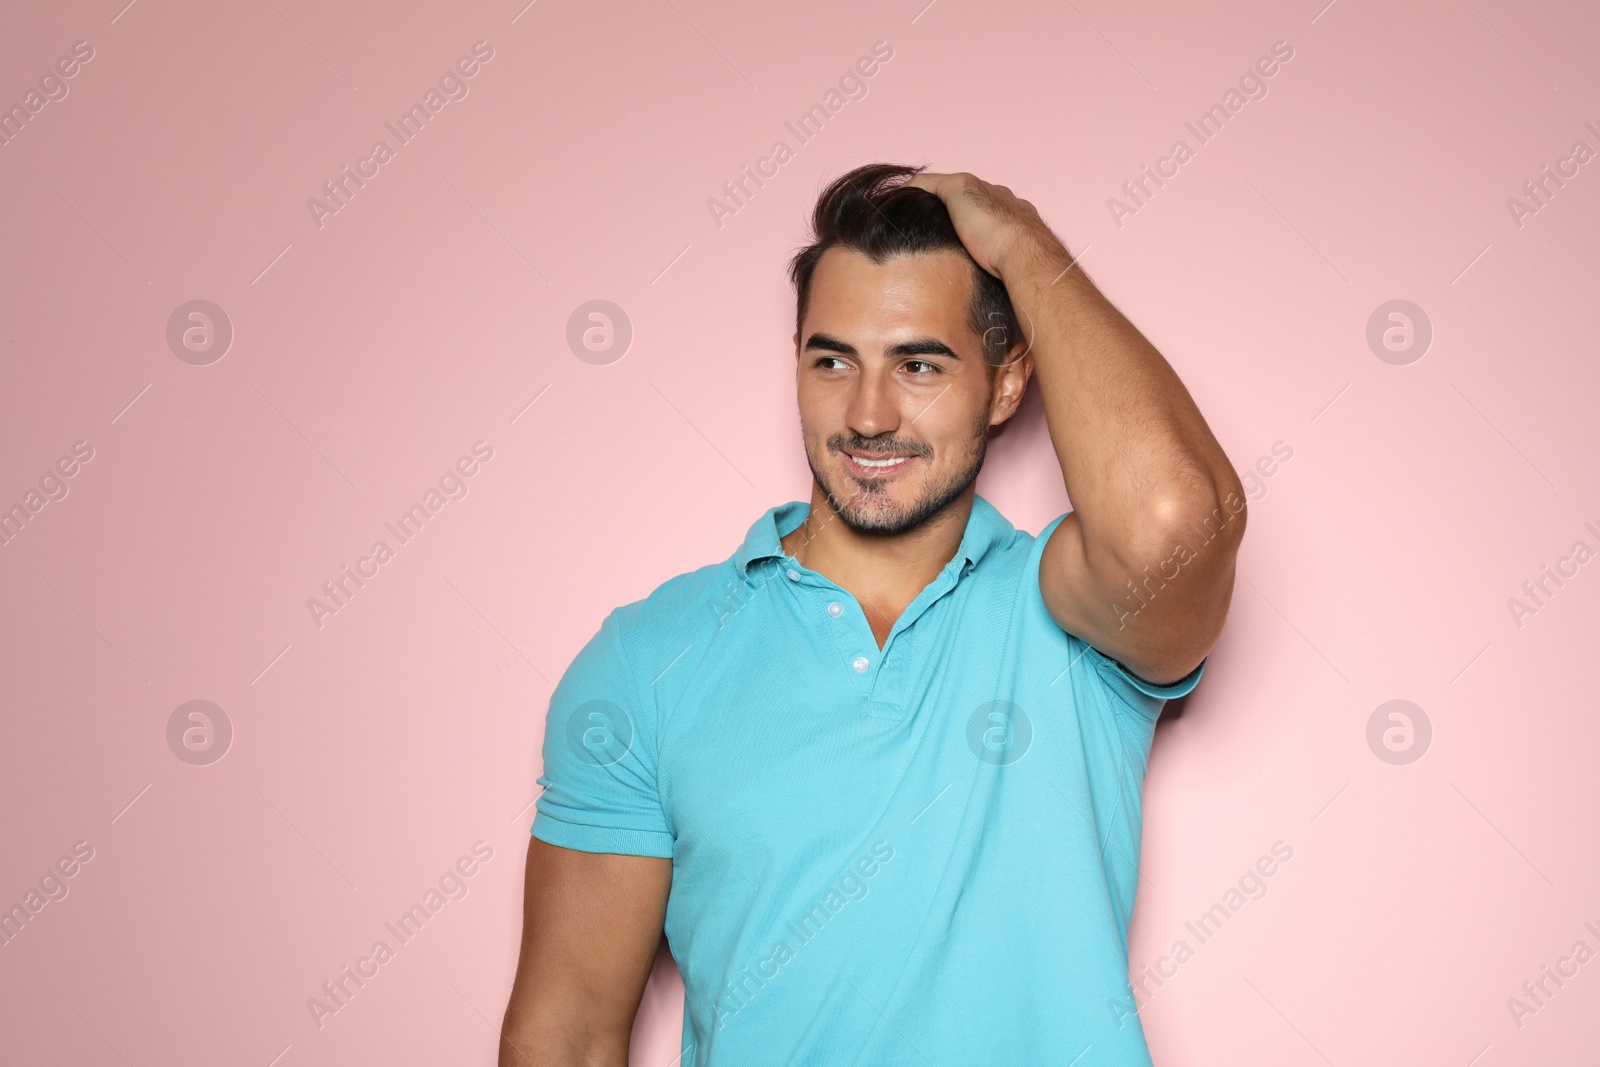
x: 928, y: 180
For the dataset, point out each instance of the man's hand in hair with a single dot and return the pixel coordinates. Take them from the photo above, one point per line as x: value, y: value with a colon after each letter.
x: 993, y: 223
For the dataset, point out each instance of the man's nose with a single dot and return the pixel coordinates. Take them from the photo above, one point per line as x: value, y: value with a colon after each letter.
x: 875, y: 406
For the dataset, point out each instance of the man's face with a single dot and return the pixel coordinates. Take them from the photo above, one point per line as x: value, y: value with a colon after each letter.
x: 888, y: 367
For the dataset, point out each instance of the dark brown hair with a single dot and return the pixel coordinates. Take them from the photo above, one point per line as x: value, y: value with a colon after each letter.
x: 871, y: 211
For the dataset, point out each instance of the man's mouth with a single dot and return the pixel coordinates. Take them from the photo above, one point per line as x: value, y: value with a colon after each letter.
x: 864, y: 465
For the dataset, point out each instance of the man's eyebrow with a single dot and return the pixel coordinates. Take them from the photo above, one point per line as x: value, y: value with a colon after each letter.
x: 922, y: 346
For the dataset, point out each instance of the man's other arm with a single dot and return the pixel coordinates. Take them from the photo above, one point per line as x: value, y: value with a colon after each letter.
x: 1143, y: 567
x: 591, y: 926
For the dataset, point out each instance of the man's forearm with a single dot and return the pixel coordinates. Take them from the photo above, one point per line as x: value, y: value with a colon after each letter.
x: 1136, y: 455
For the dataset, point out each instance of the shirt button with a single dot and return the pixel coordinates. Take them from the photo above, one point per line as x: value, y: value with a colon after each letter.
x: 861, y: 664
x: 794, y: 575
x: 835, y: 609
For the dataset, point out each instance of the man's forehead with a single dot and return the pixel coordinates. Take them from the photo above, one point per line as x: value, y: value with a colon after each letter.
x: 924, y: 287
x: 945, y: 266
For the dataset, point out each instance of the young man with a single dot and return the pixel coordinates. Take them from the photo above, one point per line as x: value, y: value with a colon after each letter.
x: 877, y: 774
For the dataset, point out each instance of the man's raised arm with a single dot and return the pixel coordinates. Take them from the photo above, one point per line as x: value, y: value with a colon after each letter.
x: 1143, y: 568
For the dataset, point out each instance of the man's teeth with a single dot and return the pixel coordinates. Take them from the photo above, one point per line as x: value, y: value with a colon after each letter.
x: 865, y: 462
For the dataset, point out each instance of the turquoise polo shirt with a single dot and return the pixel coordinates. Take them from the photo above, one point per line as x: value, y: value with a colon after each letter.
x: 924, y: 854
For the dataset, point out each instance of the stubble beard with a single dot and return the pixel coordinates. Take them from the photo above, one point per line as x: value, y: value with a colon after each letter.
x: 865, y: 508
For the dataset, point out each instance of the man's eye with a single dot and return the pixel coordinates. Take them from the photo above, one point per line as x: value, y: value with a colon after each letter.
x: 922, y: 363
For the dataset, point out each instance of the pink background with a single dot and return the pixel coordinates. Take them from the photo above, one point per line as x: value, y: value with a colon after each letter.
x: 431, y: 311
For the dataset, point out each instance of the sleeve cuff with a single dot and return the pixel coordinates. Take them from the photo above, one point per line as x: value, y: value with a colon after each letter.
x: 582, y: 838
x: 1182, y: 687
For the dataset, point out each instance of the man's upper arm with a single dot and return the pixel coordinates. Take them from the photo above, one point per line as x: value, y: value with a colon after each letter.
x: 599, y: 778
x: 590, y: 930
x: 599, y: 866
x: 1160, y: 627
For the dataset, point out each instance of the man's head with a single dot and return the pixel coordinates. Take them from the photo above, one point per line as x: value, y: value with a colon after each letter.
x: 905, y: 347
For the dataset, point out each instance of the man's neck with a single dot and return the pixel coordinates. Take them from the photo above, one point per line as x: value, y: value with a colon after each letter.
x: 883, y: 570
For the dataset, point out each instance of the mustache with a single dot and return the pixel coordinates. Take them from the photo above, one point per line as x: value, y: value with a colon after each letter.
x: 876, y: 451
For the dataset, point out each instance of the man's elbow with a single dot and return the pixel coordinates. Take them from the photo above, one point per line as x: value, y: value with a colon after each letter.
x: 1203, y: 519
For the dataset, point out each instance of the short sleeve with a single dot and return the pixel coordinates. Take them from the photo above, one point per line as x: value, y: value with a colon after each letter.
x: 599, y: 750
x: 1134, y: 689
x: 1143, y: 696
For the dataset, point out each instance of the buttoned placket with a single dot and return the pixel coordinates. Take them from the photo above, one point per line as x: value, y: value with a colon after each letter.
x: 878, y: 682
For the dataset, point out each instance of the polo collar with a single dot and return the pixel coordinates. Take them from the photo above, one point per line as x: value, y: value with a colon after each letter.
x: 986, y: 529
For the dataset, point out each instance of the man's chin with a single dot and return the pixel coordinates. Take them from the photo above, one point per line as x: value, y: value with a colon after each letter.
x: 872, y: 520
x: 874, y: 509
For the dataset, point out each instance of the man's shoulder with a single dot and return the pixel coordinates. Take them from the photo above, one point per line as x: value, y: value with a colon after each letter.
x: 687, y: 601
x: 677, y: 613
x: 671, y: 602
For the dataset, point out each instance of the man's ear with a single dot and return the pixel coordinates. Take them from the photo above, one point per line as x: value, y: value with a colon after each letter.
x: 797, y: 344
x: 1011, y: 379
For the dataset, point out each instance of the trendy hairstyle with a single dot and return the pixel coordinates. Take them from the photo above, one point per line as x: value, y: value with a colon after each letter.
x: 871, y: 211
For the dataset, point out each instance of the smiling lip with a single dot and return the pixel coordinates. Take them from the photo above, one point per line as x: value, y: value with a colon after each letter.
x: 879, y: 469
